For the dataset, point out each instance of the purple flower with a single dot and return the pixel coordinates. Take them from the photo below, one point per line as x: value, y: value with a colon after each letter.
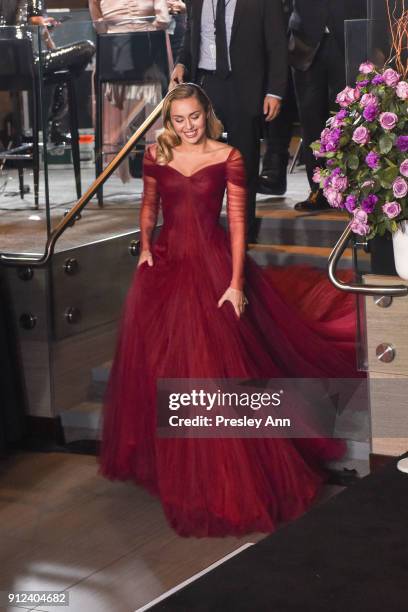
x: 402, y: 90
x: 392, y: 209
x: 317, y: 175
x: 338, y: 119
x: 370, y: 112
x: 359, y: 224
x: 391, y: 77
x: 333, y: 197
x: 402, y: 143
x: 367, y: 68
x: 361, y: 135
x: 351, y: 202
x: 369, y: 98
x: 339, y: 183
x: 342, y: 114
x: 404, y: 168
x: 378, y: 80
x: 347, y: 97
x: 368, y: 203
x: 400, y: 187
x: 332, y: 146
x: 329, y: 140
x: 388, y: 121
x: 373, y: 160
x: 362, y: 84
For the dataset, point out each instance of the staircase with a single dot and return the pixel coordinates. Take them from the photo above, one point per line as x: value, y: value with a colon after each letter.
x: 286, y: 237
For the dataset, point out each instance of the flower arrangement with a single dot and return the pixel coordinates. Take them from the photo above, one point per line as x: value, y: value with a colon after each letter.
x: 365, y: 145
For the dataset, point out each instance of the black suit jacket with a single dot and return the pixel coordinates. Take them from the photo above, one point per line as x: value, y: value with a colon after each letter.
x: 258, y: 49
x: 310, y: 18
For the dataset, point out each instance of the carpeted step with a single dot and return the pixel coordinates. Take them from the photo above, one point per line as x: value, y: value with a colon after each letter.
x: 283, y: 225
x: 286, y: 255
x: 288, y: 226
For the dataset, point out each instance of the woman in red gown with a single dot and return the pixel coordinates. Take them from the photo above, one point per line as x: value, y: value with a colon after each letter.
x: 199, y: 308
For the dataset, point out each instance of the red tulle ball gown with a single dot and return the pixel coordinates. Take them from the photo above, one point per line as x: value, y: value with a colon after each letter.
x: 173, y: 328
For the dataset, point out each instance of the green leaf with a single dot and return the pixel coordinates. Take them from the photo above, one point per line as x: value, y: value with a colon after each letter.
x: 388, y: 176
x: 386, y: 142
x: 353, y: 162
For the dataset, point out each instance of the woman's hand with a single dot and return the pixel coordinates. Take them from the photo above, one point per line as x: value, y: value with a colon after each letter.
x: 145, y: 256
x: 177, y: 76
x: 237, y: 299
x: 176, y: 6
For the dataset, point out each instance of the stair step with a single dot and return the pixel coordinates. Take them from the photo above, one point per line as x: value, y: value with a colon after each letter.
x: 287, y: 254
x: 287, y: 226
x: 86, y: 415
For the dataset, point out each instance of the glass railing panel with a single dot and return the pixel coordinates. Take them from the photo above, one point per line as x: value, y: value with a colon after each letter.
x: 119, y: 73
x: 386, y: 19
x: 67, y: 313
x: 356, y: 46
x: 24, y: 219
x: 125, y: 80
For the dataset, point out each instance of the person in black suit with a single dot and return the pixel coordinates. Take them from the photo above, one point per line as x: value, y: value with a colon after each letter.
x: 317, y: 55
x: 237, y: 51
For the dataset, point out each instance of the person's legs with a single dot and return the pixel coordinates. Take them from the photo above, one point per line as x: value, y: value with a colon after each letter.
x: 278, y: 134
x: 312, y: 97
x: 243, y: 133
x: 316, y: 91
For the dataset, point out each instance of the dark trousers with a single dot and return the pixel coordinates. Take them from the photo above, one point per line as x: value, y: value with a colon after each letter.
x: 316, y: 91
x: 243, y: 133
x: 278, y: 134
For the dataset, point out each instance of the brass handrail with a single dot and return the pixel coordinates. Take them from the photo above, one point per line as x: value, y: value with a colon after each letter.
x: 70, y: 218
x: 334, y: 258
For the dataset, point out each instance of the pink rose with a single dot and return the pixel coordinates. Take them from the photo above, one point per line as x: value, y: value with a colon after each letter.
x: 366, y: 68
x: 388, y: 121
x: 361, y: 135
x: 400, y: 187
x: 339, y: 183
x: 402, y: 90
x: 359, y: 223
x: 317, y: 175
x: 367, y: 99
x: 367, y: 184
x: 392, y: 209
x: 404, y: 168
x: 391, y: 77
x: 347, y: 97
x: 333, y: 197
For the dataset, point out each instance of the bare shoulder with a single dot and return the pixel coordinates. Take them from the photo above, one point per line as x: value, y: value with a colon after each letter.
x: 216, y: 145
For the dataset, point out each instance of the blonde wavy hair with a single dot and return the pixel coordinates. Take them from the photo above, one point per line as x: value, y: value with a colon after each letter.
x: 168, y: 138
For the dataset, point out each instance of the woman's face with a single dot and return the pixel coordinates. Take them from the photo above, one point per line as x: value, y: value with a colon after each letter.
x: 189, y: 120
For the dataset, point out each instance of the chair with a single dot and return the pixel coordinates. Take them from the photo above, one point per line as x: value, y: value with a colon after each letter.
x: 18, y: 73
x: 125, y: 58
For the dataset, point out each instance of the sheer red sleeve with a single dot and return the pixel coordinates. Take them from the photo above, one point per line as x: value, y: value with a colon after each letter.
x: 236, y: 210
x: 150, y: 202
